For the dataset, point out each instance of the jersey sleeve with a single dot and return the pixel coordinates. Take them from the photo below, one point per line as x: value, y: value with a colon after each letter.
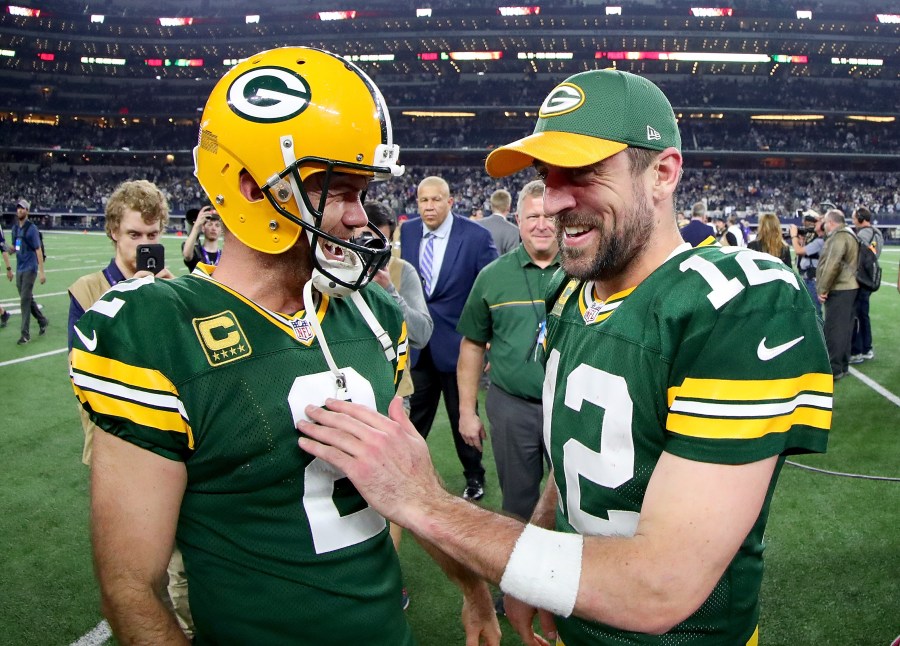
x: 750, y: 376
x: 118, y: 368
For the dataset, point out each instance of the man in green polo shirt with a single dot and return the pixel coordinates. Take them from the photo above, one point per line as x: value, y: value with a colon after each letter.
x: 506, y: 310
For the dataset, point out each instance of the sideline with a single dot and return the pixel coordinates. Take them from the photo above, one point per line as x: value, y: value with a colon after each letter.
x: 874, y: 385
x: 99, y: 635
x: 33, y: 356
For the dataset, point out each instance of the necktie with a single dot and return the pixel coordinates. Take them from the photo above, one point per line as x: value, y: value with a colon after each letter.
x: 425, y: 266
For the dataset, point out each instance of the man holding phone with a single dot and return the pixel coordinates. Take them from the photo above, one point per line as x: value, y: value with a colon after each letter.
x: 205, y: 223
x: 136, y: 215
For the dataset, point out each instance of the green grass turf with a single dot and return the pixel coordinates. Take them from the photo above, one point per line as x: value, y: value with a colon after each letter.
x: 832, y: 561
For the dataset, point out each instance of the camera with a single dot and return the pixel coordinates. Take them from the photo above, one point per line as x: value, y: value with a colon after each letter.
x: 805, y: 231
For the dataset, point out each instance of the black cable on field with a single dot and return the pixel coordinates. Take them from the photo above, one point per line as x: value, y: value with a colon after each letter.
x: 843, y: 475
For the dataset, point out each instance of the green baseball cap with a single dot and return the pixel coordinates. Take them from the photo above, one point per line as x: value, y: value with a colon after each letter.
x: 589, y: 117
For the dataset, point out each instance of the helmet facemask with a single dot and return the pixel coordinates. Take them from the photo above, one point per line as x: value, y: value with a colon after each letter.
x: 359, y: 263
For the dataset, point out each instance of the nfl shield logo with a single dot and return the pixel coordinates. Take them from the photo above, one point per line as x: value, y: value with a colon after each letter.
x: 302, y: 330
x: 591, y: 314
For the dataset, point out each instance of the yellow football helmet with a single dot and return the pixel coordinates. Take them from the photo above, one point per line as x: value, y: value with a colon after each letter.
x: 281, y: 116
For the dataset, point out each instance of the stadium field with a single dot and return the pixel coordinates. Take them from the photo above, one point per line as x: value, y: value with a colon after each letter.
x: 833, y: 545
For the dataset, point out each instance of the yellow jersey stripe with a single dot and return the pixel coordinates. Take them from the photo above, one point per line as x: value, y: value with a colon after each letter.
x: 746, y: 429
x: 750, y: 389
x: 162, y: 420
x: 104, y: 367
x: 509, y: 303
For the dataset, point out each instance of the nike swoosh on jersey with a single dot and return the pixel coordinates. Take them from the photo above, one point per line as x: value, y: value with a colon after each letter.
x: 89, y: 344
x: 765, y: 354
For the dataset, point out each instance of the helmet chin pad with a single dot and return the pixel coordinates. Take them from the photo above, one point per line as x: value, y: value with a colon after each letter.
x: 340, y: 277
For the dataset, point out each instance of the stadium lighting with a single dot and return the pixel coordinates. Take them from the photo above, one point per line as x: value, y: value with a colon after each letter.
x: 804, y: 15
x: 787, y: 117
x: 369, y: 58
x: 519, y: 11
x: 28, y: 12
x: 711, y: 12
x: 10, y: 53
x: 559, y: 56
x: 614, y: 11
x: 98, y: 60
x: 98, y: 18
x: 702, y: 57
x: 46, y: 56
x: 423, y: 13
x: 786, y: 58
x: 873, y: 62
x: 436, y: 114
x: 872, y: 118
x: 888, y: 18
x: 175, y: 22
x: 231, y: 62
x: 337, y: 15
x: 251, y: 20
x: 475, y: 56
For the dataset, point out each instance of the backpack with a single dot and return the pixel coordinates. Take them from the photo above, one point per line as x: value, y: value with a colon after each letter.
x: 41, y: 236
x: 868, y: 271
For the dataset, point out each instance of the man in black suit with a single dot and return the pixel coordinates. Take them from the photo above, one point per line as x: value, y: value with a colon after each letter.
x: 448, y: 251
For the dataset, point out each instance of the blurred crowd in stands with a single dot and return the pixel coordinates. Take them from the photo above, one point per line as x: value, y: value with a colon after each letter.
x: 423, y: 90
x: 747, y: 192
x: 732, y: 132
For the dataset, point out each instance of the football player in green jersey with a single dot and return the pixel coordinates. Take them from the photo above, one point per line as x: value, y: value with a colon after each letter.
x: 199, y: 382
x: 677, y: 380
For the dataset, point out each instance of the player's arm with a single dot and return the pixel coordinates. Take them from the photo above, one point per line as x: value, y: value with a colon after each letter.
x: 7, y: 264
x: 694, y: 518
x: 39, y: 254
x: 135, y: 499
x: 478, y: 616
x: 468, y: 374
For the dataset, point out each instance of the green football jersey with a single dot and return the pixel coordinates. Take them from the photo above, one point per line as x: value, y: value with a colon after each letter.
x: 718, y: 357
x: 279, y: 547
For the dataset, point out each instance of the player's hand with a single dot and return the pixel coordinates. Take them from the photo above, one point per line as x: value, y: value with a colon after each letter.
x: 163, y: 273
x: 472, y: 430
x: 385, y: 457
x: 9, y: 274
x: 793, y: 230
x: 42, y: 277
x: 823, y: 297
x: 479, y: 618
x: 203, y: 216
x: 521, y: 616
x: 383, y: 278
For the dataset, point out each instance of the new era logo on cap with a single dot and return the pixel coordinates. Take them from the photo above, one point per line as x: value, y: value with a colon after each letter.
x: 653, y: 134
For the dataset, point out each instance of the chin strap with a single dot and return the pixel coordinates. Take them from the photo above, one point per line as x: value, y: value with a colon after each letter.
x: 309, y: 305
x: 374, y: 325
x: 383, y: 338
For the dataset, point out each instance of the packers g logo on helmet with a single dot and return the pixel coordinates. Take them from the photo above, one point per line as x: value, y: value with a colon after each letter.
x: 269, y: 94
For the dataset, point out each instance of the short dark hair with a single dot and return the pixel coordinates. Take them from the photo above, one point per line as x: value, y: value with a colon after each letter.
x: 641, y: 158
x: 863, y: 214
x: 379, y: 215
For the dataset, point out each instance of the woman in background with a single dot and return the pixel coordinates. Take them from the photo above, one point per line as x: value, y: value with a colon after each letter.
x: 769, y: 239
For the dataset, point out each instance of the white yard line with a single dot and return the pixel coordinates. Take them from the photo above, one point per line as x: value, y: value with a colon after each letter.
x: 874, y: 385
x: 99, y: 635
x: 33, y: 356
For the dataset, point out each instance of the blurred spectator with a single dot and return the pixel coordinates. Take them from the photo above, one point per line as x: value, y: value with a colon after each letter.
x: 29, y: 254
x: 770, y: 240
x: 836, y: 285
x: 206, y: 223
x: 697, y: 231
x: 807, y: 248
x: 861, y: 347
x: 504, y: 234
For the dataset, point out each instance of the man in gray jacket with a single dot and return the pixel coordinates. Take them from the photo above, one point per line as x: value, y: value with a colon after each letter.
x: 504, y: 233
x: 837, y: 287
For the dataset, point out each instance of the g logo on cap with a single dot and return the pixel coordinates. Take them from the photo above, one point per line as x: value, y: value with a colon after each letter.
x: 564, y: 98
x: 269, y: 94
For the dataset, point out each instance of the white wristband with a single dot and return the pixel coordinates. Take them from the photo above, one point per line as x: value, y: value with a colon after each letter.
x: 544, y: 569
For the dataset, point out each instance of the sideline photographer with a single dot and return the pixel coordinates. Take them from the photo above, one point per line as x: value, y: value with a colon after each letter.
x: 207, y: 251
x: 808, y: 253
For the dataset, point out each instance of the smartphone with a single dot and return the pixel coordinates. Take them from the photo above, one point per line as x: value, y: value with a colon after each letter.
x: 151, y: 257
